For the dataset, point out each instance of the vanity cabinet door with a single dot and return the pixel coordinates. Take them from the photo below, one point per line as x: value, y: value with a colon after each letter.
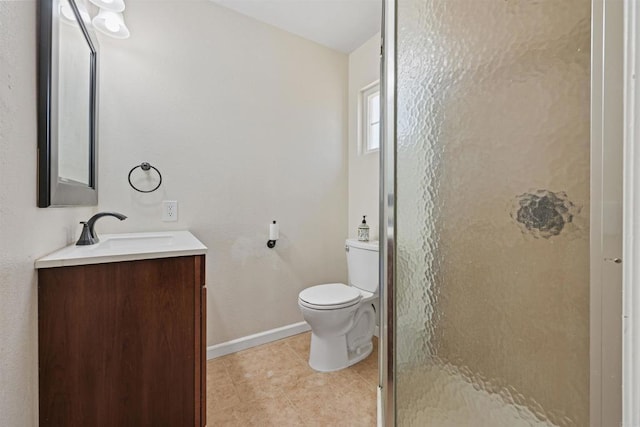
x: 122, y: 344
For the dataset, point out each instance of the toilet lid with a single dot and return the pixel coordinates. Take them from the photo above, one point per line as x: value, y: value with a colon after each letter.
x: 330, y: 295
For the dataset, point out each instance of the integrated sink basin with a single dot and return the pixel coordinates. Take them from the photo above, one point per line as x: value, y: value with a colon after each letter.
x: 135, y: 243
x: 126, y: 247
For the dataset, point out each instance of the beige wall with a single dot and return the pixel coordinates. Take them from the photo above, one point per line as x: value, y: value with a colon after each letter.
x: 364, y: 169
x: 247, y: 124
x: 26, y: 232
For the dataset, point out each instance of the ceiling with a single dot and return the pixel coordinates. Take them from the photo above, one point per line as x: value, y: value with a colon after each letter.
x: 343, y: 25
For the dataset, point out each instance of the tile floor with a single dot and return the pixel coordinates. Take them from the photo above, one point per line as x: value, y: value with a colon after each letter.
x: 273, y: 385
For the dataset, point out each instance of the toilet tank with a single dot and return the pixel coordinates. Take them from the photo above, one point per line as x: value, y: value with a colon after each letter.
x: 362, y: 263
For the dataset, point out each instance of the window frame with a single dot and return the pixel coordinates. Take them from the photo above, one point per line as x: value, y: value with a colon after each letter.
x: 364, y: 112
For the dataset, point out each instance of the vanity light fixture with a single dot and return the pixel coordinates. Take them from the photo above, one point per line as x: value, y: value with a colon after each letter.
x: 112, y: 5
x: 110, y: 23
x: 66, y: 11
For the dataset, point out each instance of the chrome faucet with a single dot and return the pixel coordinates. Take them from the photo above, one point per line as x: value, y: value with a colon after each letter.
x: 89, y: 236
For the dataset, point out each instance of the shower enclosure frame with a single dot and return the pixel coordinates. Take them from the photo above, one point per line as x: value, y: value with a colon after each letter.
x: 631, y: 210
x: 607, y: 125
x: 387, y: 387
x: 607, y: 113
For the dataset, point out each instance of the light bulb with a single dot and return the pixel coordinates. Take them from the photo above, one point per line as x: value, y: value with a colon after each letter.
x: 67, y: 12
x: 112, y: 24
x: 112, y: 5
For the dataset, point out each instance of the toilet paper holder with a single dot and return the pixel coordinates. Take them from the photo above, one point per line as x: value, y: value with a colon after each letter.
x: 274, y: 234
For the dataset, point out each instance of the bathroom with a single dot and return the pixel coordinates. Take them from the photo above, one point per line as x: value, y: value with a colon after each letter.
x: 228, y: 109
x: 249, y: 123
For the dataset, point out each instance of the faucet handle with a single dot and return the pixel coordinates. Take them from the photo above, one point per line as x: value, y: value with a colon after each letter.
x: 86, y: 238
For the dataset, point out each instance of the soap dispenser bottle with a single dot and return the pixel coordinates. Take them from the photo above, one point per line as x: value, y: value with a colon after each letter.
x: 363, y: 230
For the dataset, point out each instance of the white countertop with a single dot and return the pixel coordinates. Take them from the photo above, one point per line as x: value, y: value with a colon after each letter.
x: 126, y: 247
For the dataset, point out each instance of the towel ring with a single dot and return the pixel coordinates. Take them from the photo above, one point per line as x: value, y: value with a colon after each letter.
x: 145, y: 167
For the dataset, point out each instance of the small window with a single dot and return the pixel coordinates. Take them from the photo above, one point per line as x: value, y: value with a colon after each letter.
x: 370, y: 132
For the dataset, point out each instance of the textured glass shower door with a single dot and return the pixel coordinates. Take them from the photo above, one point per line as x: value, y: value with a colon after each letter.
x: 492, y: 128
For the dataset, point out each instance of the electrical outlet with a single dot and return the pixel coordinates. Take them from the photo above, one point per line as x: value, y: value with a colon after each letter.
x: 169, y: 210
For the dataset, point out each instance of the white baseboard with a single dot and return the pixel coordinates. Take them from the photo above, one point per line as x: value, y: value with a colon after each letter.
x: 249, y: 341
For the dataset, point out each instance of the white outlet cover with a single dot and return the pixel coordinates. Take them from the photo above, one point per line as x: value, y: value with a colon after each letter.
x: 169, y: 210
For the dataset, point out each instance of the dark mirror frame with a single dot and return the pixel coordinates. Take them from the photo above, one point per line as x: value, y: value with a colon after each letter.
x: 53, y: 191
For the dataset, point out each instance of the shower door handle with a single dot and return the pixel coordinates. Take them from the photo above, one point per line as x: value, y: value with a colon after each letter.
x: 616, y: 260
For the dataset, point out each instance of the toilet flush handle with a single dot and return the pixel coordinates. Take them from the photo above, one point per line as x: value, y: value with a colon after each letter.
x: 346, y: 248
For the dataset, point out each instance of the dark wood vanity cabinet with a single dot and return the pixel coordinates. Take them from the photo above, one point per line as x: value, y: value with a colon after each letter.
x: 123, y: 343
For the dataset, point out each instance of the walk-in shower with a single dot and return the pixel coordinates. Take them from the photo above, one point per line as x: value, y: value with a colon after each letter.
x: 486, y: 204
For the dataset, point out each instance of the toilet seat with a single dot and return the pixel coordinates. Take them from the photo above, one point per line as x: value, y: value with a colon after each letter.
x: 331, y: 296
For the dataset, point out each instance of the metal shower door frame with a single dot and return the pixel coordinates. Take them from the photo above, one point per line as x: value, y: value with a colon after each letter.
x: 388, y: 215
x: 606, y: 206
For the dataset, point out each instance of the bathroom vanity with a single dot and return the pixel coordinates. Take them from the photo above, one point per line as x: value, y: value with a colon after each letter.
x: 121, y: 332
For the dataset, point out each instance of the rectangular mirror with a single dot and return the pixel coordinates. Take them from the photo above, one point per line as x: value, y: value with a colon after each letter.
x: 67, y: 106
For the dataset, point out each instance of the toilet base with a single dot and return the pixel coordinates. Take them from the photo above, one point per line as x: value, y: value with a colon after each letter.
x: 330, y: 354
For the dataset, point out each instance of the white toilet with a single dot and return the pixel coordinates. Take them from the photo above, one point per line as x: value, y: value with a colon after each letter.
x: 342, y: 317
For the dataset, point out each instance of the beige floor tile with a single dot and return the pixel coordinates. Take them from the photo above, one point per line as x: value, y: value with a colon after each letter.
x: 360, y: 397
x: 290, y: 373
x: 274, y: 412
x: 217, y: 374
x: 333, y: 410
x: 344, y: 378
x: 301, y: 344
x: 221, y: 396
x: 368, y: 368
x: 222, y: 418
x: 273, y: 385
x: 256, y: 389
x: 216, y: 367
x: 310, y: 393
x: 305, y: 382
x: 369, y: 372
x: 260, y: 362
x: 279, y: 375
